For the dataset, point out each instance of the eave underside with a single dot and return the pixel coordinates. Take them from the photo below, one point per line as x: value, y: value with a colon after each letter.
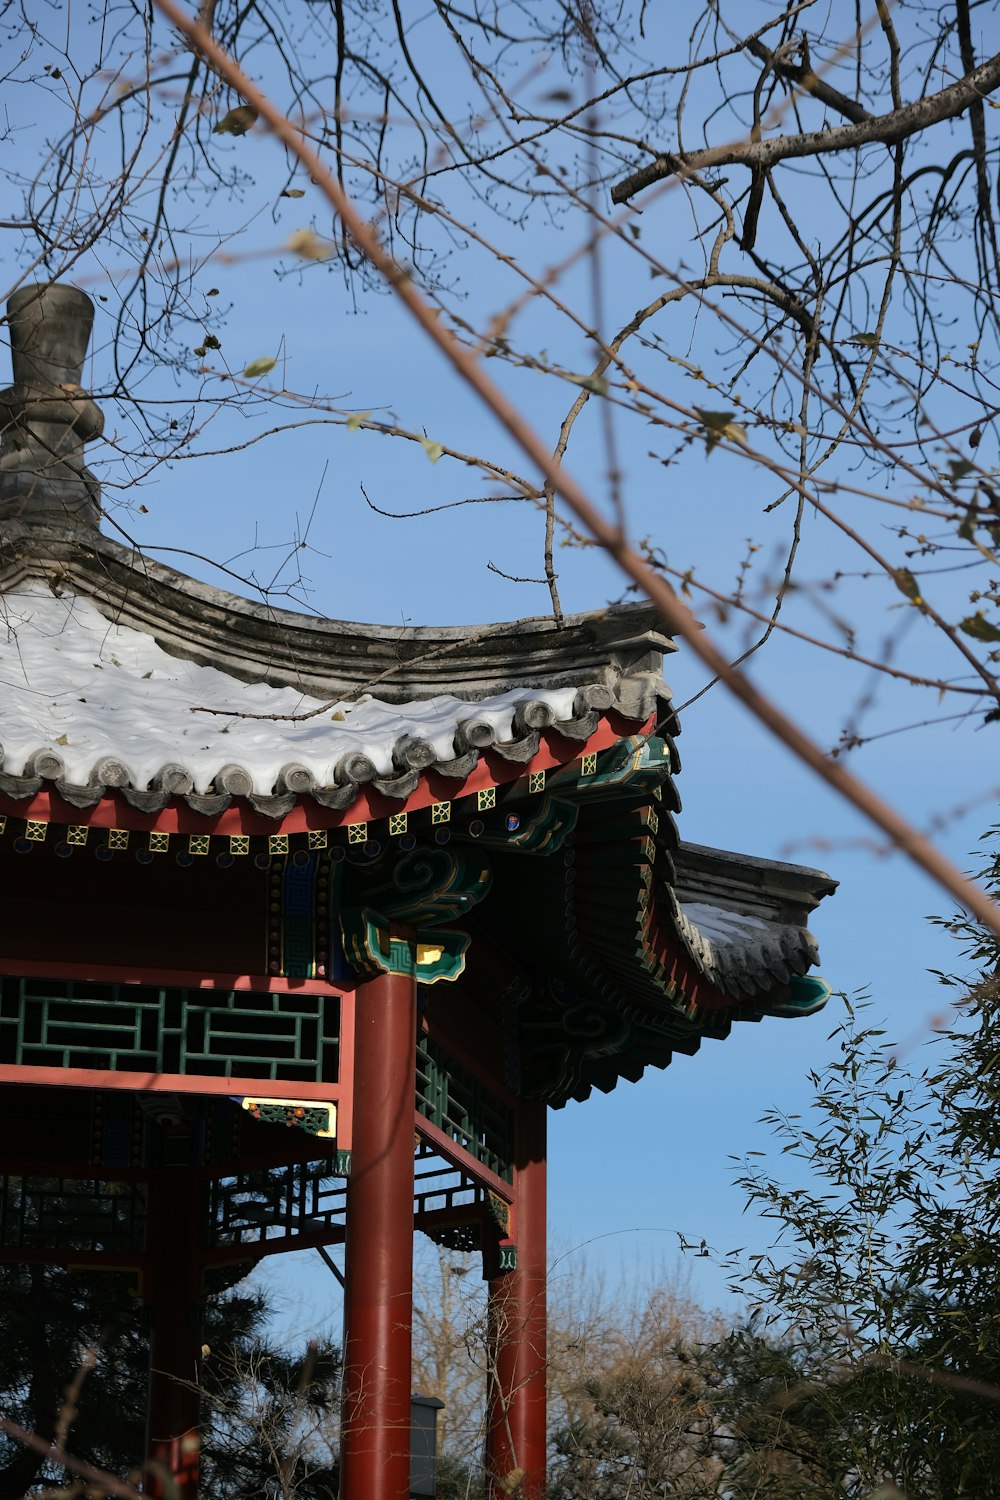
x: 608, y: 944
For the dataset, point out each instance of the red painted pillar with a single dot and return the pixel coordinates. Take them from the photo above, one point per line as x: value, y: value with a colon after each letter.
x: 173, y: 1415
x: 516, y: 1413
x: 378, y: 1293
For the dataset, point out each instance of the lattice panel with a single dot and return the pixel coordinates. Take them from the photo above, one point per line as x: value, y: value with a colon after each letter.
x: 275, y: 1203
x: 447, y: 1204
x: 209, y: 1033
x: 456, y: 1102
x: 72, y: 1213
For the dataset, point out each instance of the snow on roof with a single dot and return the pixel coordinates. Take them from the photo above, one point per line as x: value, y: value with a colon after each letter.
x: 82, y: 689
x: 741, y: 952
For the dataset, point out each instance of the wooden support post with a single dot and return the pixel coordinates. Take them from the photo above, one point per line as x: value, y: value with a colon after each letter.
x: 516, y: 1407
x: 378, y: 1297
x: 173, y: 1414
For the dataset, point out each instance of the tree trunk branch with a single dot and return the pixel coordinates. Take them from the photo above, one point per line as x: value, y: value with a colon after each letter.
x: 885, y: 130
x: 803, y: 77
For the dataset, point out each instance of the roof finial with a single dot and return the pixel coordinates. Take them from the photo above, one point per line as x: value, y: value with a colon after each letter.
x: 45, y: 417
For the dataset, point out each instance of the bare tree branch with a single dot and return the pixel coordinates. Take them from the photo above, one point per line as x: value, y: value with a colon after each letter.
x: 885, y: 130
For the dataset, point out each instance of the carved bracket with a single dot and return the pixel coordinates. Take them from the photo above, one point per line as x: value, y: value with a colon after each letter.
x: 371, y: 948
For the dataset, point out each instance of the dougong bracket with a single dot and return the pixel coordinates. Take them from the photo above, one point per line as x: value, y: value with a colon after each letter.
x: 372, y: 949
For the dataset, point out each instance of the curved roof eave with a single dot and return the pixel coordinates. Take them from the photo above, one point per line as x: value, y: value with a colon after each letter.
x: 93, y: 706
x: 258, y: 642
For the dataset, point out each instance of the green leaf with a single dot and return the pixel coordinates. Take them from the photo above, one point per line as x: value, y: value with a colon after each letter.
x: 433, y: 450
x: 958, y: 468
x: 906, y: 583
x: 237, y: 122
x: 719, y: 425
x: 259, y: 367
x: 979, y: 627
x: 595, y: 384
x: 967, y: 528
x: 357, y: 419
x: 715, y: 421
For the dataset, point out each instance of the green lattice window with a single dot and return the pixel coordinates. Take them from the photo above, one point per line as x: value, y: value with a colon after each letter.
x: 72, y: 1213
x: 456, y: 1102
x: 144, y: 1028
x: 275, y: 1203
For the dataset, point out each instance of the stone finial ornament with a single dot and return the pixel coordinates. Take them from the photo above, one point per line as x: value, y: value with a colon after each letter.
x: 45, y: 416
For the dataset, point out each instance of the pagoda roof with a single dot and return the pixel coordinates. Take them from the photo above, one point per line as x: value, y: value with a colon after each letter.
x: 125, y: 681
x: 120, y: 674
x: 255, y: 641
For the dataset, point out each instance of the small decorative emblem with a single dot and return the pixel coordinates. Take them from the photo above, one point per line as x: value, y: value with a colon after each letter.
x: 304, y: 1114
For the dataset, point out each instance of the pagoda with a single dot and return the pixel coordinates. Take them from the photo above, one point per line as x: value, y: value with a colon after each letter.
x: 308, y: 925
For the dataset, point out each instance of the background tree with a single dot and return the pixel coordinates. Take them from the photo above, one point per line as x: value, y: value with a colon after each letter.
x: 627, y: 1420
x: 449, y: 1360
x: 76, y: 1369
x: 601, y: 1338
x: 272, y: 1420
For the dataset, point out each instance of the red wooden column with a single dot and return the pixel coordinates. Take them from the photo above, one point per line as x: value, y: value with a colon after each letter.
x: 516, y: 1415
x: 378, y: 1294
x: 172, y: 1430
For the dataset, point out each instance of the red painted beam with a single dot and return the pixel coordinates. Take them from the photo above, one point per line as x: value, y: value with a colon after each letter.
x: 169, y: 1083
x: 451, y: 1151
x: 189, y: 979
